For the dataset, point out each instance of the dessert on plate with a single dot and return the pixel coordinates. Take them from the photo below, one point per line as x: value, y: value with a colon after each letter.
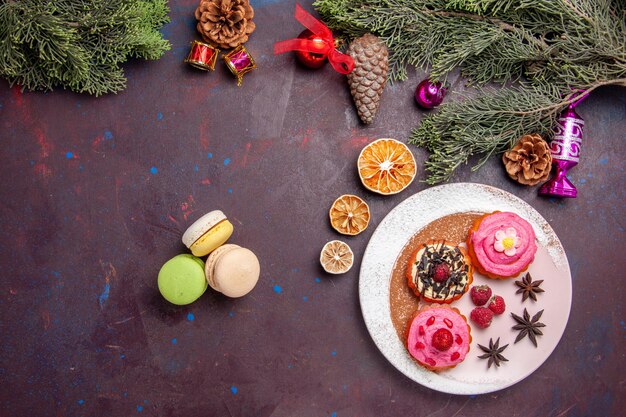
x: 439, y: 272
x: 438, y: 337
x: 501, y: 245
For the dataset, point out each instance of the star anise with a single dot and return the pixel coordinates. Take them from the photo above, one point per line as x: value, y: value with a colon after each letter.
x: 528, y: 327
x: 493, y: 353
x: 528, y: 287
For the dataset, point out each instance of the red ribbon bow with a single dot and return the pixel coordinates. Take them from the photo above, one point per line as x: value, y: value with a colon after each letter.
x: 342, y: 63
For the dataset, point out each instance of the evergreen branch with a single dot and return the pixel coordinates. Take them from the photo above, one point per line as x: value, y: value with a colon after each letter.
x: 78, y: 45
x: 558, y: 50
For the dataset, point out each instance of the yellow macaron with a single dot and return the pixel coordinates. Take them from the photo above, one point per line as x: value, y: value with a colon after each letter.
x: 208, y: 233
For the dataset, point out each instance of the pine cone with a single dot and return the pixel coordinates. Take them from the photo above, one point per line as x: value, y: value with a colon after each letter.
x: 530, y: 160
x: 367, y: 80
x: 225, y: 23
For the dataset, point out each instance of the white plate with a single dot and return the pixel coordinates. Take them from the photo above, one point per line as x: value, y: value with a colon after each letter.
x: 471, y: 376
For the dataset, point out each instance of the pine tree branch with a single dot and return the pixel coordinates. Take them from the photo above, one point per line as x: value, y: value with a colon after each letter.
x: 553, y: 52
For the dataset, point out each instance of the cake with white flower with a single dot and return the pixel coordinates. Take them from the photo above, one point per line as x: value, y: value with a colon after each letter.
x: 501, y: 245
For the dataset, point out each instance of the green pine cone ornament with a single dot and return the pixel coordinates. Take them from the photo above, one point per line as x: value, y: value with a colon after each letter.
x: 367, y: 80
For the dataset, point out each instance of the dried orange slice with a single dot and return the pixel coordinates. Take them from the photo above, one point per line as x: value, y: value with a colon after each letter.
x: 386, y: 166
x: 336, y: 257
x: 349, y: 215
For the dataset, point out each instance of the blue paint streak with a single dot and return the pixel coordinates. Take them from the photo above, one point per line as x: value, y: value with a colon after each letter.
x: 334, y: 353
x: 231, y: 314
x: 263, y: 3
x: 305, y: 298
x: 230, y: 191
x: 318, y: 279
x: 69, y: 155
x: 105, y: 294
x: 81, y: 402
x: 582, y: 181
x: 277, y: 289
x: 139, y: 409
x: 209, y: 155
x: 108, y: 135
x: 174, y: 341
x: 334, y: 414
x: 603, y: 161
x: 159, y: 116
x: 154, y: 170
x: 234, y: 390
x: 122, y: 356
x: 226, y: 161
x: 191, y: 317
x: 196, y: 168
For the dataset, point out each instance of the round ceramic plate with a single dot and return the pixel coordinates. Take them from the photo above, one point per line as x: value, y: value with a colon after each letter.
x: 472, y: 375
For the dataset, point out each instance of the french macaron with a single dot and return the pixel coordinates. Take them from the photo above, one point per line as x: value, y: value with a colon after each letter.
x: 181, y: 279
x: 232, y: 270
x: 208, y: 233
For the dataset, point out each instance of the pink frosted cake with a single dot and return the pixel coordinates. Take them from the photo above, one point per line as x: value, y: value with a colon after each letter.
x: 501, y: 245
x: 438, y: 337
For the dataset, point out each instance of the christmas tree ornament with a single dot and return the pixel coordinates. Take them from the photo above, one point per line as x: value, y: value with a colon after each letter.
x: 565, y: 149
x: 342, y: 63
x: 202, y: 56
x: 225, y: 23
x: 367, y: 81
x: 429, y: 95
x: 311, y: 59
x: 529, y: 162
x: 239, y: 62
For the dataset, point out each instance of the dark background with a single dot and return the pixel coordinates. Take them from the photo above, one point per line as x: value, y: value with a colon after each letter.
x: 96, y: 193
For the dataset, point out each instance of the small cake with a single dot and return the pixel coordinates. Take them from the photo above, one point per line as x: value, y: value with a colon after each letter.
x: 439, y: 272
x: 438, y: 337
x: 501, y: 245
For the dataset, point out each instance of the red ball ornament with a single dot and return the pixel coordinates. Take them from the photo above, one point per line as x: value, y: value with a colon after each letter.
x: 310, y: 59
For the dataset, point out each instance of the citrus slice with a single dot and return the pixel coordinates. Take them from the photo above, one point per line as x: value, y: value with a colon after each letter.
x: 386, y: 166
x: 336, y: 257
x: 349, y: 215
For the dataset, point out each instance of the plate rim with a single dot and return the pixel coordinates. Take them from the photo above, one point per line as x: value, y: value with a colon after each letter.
x: 463, y: 388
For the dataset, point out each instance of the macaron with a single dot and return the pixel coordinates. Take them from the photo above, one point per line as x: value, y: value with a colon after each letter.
x: 208, y: 233
x: 232, y: 270
x: 181, y: 279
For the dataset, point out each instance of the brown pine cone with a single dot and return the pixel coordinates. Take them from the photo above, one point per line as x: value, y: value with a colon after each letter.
x: 367, y: 80
x: 225, y: 23
x: 530, y: 160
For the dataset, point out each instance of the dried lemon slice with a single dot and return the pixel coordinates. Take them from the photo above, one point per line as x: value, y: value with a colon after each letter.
x: 386, y: 166
x: 349, y: 215
x: 336, y: 257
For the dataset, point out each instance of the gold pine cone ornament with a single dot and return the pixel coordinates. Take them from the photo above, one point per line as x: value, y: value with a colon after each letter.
x: 225, y: 23
x: 530, y: 160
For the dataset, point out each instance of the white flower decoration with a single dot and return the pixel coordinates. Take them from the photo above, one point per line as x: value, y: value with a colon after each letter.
x: 507, y: 241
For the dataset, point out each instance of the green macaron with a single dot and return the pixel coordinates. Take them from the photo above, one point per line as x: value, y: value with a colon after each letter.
x: 181, y: 279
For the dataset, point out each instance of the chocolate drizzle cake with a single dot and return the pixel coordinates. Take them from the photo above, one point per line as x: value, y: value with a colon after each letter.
x: 439, y: 272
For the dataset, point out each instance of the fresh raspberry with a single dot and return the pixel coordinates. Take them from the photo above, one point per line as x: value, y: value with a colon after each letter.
x: 480, y: 294
x: 482, y: 316
x: 441, y: 272
x: 497, y: 305
x: 442, y: 340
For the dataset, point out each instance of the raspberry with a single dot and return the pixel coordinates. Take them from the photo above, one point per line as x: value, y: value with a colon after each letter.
x: 442, y: 340
x: 480, y: 294
x: 482, y: 316
x: 497, y: 305
x: 441, y: 272
x: 455, y: 356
